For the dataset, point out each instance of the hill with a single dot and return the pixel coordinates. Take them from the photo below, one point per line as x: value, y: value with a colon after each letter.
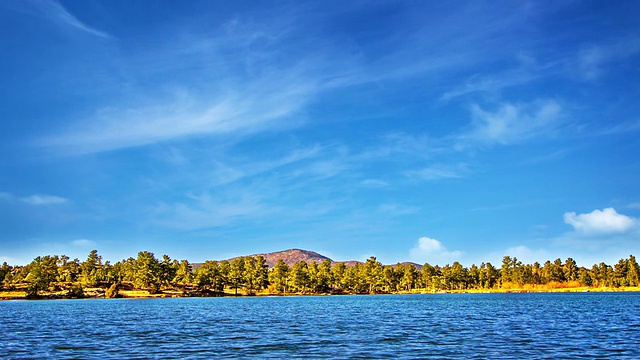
x: 293, y: 256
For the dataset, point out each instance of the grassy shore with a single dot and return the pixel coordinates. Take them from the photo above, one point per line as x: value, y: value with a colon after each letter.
x: 541, y: 289
x: 19, y: 294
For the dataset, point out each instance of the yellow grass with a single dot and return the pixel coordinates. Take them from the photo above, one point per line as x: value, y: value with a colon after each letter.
x: 530, y: 288
x: 9, y: 294
x: 140, y: 294
x: 507, y: 288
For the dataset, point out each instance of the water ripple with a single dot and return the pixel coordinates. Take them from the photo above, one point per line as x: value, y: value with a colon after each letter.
x: 508, y: 326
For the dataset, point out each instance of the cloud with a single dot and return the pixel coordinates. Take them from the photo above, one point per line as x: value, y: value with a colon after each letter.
x: 593, y: 61
x: 374, y: 183
x: 634, y: 205
x: 83, y: 243
x: 44, y: 200
x: 55, y: 12
x: 493, y: 83
x: 255, y: 108
x: 440, y: 171
x: 511, y: 123
x: 601, y: 235
x: 432, y: 251
x: 396, y: 209
x: 209, y: 210
x: 601, y: 222
x: 527, y: 255
x: 226, y: 174
x: 621, y: 128
x: 12, y: 261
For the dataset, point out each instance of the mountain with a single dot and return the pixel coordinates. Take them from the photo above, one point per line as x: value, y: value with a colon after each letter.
x: 293, y: 256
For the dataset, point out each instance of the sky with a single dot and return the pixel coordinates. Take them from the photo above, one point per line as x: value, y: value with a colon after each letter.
x: 411, y: 131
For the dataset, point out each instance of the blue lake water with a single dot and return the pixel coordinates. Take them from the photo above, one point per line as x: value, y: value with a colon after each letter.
x: 518, y: 326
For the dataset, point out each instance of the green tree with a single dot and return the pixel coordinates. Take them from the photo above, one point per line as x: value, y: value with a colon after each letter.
x: 167, y: 270
x: 557, y: 271
x: 428, y: 273
x: 184, y: 273
x: 279, y: 276
x: 250, y: 274
x: 372, y: 274
x: 355, y: 279
x: 125, y: 270
x: 325, y: 277
x: 205, y: 274
x: 409, y: 277
x: 43, y: 271
x: 8, y: 280
x: 455, y: 276
x: 620, y: 272
x: 633, y: 271
x: 584, y: 276
x: 337, y: 274
x: 489, y: 275
x: 300, y: 276
x: 261, y: 273
x: 570, y: 270
x: 90, y: 274
x: 223, y: 279
x: 536, y: 271
x: 237, y: 273
x: 602, y: 275
x: 4, y: 271
x: 474, y: 277
x: 148, y: 273
x: 390, y: 279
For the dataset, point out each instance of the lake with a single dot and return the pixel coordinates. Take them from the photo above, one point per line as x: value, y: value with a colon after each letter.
x: 518, y: 326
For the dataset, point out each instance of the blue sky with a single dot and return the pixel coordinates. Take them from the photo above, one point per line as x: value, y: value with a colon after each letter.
x: 412, y: 131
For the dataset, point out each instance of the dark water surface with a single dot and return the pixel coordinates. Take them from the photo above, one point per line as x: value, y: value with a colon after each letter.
x: 519, y: 326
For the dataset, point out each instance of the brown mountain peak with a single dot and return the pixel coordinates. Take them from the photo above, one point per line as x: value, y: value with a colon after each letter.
x: 292, y: 256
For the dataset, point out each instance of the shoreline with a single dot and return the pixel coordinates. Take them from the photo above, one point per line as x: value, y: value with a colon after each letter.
x: 98, y: 293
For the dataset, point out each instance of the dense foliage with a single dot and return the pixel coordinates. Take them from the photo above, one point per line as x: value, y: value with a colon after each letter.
x: 251, y: 274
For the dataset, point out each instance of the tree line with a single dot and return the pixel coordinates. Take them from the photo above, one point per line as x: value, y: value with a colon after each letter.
x: 250, y: 275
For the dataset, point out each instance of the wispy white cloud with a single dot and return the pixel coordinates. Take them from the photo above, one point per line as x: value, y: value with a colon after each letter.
x: 527, y: 255
x: 441, y: 171
x: 225, y: 173
x: 593, y: 61
x: 397, y: 209
x: 375, y: 183
x: 209, y: 210
x: 621, y: 128
x: 44, y: 200
x: 432, y: 251
x: 256, y: 108
x: 12, y: 261
x: 36, y: 199
x: 550, y: 157
x: 588, y: 63
x: 526, y: 73
x: 55, y: 12
x: 507, y: 206
x: 601, y: 222
x: 634, y: 205
x: 511, y: 123
x: 83, y: 243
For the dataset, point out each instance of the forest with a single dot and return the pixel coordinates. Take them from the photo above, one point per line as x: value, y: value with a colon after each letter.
x: 249, y: 275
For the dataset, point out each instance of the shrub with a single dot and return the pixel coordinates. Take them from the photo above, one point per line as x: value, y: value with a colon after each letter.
x: 112, y: 291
